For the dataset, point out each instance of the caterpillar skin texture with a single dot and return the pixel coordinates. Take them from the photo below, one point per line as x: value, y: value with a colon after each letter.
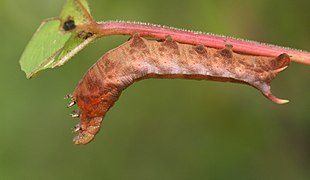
x: 140, y: 58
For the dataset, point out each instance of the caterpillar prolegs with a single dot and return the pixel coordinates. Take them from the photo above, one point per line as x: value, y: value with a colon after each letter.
x: 141, y: 58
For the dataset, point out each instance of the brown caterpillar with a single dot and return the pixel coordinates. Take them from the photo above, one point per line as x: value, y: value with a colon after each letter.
x: 140, y: 58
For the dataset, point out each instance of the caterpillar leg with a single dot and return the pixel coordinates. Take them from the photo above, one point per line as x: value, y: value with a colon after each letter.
x: 86, y: 132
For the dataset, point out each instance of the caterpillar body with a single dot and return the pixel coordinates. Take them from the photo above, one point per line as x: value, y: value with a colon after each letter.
x: 140, y: 58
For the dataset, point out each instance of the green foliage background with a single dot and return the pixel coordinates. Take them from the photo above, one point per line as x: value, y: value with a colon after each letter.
x: 159, y: 129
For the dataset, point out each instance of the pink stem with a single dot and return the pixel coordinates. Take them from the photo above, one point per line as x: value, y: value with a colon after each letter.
x: 210, y: 40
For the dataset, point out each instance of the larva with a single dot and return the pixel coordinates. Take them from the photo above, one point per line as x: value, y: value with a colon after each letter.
x: 140, y: 58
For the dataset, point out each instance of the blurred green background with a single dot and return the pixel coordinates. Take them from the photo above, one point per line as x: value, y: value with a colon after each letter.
x: 159, y: 129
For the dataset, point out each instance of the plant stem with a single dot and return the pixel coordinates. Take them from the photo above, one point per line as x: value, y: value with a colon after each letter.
x: 188, y: 37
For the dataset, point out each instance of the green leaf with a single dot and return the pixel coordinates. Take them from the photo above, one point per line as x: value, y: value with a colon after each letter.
x: 75, y: 44
x: 50, y: 46
x: 45, y: 44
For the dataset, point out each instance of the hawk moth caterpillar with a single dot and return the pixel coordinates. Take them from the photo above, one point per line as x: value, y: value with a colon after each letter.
x: 140, y: 58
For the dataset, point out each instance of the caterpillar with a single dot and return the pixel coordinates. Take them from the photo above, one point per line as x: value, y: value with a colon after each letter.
x: 141, y: 58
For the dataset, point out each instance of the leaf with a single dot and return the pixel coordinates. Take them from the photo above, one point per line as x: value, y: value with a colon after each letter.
x: 45, y: 44
x: 73, y: 45
x: 50, y: 46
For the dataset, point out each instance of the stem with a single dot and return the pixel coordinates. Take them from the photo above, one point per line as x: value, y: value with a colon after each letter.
x: 188, y: 37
